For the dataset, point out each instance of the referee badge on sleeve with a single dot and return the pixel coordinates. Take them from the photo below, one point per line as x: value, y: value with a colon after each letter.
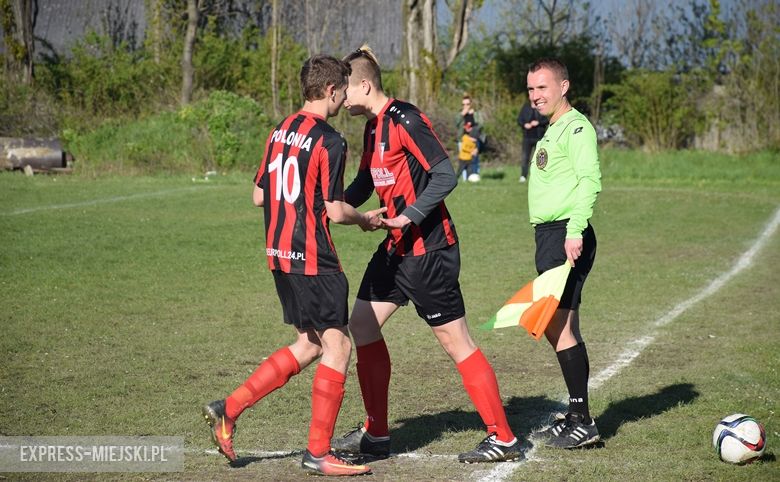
x: 541, y: 158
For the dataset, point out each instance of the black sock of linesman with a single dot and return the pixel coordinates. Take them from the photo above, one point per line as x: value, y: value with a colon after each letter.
x: 575, y: 368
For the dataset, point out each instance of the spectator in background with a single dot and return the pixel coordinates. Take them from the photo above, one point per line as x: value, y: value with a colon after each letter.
x: 468, y: 150
x: 469, y: 114
x: 534, y: 125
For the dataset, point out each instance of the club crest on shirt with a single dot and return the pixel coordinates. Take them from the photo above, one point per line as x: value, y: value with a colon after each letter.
x: 541, y: 158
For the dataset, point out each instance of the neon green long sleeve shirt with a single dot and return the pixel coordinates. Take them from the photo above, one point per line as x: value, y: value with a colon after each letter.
x: 565, y: 176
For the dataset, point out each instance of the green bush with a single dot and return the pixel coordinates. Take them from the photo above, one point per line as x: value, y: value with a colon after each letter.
x: 222, y: 131
x: 657, y: 109
x: 101, y: 80
x: 26, y: 110
x: 232, y: 128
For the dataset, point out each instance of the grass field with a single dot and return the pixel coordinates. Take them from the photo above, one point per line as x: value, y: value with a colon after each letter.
x: 127, y: 303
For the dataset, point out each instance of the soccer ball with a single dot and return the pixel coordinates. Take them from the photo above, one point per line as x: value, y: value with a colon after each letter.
x: 474, y: 177
x: 739, y: 439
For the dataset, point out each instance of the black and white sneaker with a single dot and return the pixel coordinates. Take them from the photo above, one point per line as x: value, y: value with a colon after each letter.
x: 491, y: 450
x: 553, y: 429
x: 575, y: 433
x: 359, y: 442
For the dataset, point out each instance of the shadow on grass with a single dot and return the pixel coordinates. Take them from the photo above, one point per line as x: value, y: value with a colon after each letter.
x: 416, y: 432
x: 524, y: 415
x: 636, y: 408
x: 493, y: 174
x: 768, y: 457
x: 242, y: 462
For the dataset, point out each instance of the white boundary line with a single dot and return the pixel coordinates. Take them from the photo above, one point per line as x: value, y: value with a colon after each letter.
x: 636, y: 346
x: 96, y: 202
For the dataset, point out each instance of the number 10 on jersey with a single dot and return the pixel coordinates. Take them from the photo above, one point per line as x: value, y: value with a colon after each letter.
x: 290, y: 188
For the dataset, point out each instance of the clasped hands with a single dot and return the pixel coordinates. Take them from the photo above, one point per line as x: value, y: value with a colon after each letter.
x: 373, y: 221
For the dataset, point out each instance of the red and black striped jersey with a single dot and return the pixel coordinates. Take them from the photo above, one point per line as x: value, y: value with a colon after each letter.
x: 399, y: 148
x: 303, y: 167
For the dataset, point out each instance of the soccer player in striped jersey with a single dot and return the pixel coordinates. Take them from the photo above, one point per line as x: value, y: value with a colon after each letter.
x: 406, y: 164
x: 565, y: 180
x: 300, y: 185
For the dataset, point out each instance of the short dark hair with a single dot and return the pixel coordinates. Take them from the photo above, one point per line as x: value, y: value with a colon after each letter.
x: 365, y: 65
x: 556, y: 66
x: 320, y: 71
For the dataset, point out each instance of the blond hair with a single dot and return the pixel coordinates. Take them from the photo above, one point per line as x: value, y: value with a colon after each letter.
x: 365, y: 65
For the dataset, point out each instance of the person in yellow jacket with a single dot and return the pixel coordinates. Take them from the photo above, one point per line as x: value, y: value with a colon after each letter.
x: 468, y: 152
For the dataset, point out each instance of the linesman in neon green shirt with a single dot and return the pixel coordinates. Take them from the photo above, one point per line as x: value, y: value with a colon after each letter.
x: 562, y: 188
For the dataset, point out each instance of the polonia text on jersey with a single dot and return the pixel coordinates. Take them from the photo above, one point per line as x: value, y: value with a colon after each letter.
x: 295, y: 139
x: 293, y: 255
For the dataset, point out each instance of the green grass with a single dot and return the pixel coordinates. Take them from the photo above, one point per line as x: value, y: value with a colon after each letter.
x: 123, y: 317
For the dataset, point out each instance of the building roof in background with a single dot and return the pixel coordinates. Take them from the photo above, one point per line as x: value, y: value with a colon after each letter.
x: 334, y: 26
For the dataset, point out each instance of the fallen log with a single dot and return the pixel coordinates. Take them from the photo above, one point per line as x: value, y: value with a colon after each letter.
x: 42, y: 155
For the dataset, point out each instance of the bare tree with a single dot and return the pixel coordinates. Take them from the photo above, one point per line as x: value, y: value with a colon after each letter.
x: 18, y: 29
x: 412, y: 27
x: 275, y: 56
x: 154, y: 9
x: 556, y: 16
x: 598, y: 85
x: 318, y: 16
x: 547, y: 22
x: 425, y: 66
x: 460, y: 30
x: 188, y: 71
x: 636, y: 36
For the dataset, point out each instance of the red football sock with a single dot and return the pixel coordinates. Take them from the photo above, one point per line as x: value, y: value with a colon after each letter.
x: 327, y: 392
x: 373, y: 369
x: 270, y: 375
x: 480, y: 382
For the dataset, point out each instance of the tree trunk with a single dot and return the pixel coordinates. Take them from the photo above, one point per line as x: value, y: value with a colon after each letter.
x: 318, y: 17
x: 275, y: 56
x: 155, y: 29
x: 420, y: 36
x: 187, y: 69
x: 555, y: 31
x: 412, y: 15
x: 18, y: 36
x: 460, y: 30
x: 429, y: 57
x: 598, y: 84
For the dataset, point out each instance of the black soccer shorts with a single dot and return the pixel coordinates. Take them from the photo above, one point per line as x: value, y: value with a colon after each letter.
x: 430, y: 281
x: 317, y: 302
x: 551, y: 254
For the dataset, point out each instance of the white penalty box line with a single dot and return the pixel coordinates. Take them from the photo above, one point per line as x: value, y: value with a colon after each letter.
x: 99, y: 201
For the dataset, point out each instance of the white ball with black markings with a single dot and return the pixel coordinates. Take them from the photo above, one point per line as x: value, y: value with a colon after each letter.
x: 739, y: 439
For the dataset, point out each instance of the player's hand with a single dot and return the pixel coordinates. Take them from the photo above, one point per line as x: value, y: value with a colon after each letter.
x: 372, y: 220
x: 573, y: 248
x: 534, y: 123
x: 396, y: 223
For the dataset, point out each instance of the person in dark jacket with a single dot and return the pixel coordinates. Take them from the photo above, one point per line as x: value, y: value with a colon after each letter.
x: 533, y: 124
